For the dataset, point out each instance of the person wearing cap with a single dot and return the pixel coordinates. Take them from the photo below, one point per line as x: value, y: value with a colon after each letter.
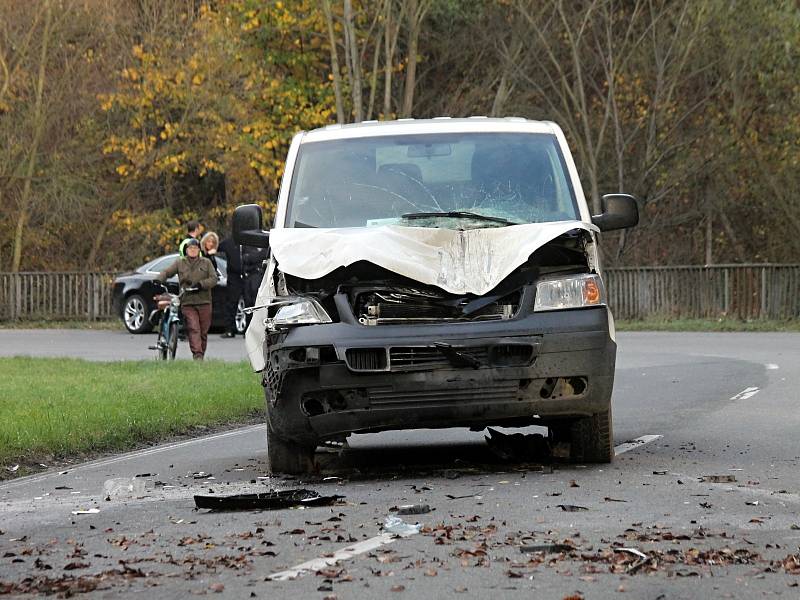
x: 196, y: 276
x: 193, y: 229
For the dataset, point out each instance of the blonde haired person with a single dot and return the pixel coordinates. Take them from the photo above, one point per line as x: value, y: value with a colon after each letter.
x: 209, y: 244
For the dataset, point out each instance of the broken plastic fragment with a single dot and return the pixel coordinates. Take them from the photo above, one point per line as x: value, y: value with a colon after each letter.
x: 413, y: 509
x: 266, y: 501
x: 548, y: 548
x: 89, y: 511
x: 397, y: 526
x: 124, y: 486
x: 718, y: 479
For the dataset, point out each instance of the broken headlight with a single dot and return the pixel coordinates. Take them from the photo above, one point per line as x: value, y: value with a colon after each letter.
x: 574, y: 291
x: 303, y: 311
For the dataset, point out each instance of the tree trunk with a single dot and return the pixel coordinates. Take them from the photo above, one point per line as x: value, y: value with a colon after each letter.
x: 335, y: 70
x: 351, y: 46
x: 25, y: 198
x: 411, y: 69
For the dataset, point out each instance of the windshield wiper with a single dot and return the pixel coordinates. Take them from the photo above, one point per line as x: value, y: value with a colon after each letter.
x: 458, y: 214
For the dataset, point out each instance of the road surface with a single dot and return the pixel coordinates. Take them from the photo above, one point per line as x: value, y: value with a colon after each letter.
x: 702, y: 501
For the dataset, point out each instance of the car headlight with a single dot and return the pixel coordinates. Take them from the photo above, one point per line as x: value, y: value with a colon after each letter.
x: 574, y: 291
x: 304, y: 311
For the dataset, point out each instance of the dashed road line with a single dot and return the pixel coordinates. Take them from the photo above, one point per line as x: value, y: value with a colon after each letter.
x: 746, y: 393
x: 317, y: 564
x: 637, y: 443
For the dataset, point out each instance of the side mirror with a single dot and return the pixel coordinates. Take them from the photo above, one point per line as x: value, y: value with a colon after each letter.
x: 248, y: 226
x: 620, y: 211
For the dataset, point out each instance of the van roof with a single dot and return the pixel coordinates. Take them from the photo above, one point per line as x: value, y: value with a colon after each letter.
x: 435, y: 125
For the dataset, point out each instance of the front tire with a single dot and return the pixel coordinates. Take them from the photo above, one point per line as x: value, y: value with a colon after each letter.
x: 172, y: 346
x: 135, y: 314
x: 592, y: 438
x: 286, y: 456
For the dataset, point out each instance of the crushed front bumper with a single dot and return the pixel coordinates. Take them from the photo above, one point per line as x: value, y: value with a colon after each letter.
x: 324, y: 381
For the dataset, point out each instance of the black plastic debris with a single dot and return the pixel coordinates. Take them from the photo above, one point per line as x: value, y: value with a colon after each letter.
x: 266, y: 501
x: 517, y: 446
x: 571, y: 507
x: 547, y: 548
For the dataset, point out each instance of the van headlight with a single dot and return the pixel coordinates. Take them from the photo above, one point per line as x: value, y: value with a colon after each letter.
x: 300, y: 311
x: 573, y: 291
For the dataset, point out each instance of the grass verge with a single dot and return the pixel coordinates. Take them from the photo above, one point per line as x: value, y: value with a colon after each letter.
x: 53, y: 408
x: 707, y: 325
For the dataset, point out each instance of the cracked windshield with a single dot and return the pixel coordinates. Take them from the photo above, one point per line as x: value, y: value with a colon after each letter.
x: 462, y: 181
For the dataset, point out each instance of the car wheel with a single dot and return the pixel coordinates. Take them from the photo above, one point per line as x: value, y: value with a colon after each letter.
x: 134, y: 314
x: 592, y: 438
x: 283, y: 455
x: 241, y: 317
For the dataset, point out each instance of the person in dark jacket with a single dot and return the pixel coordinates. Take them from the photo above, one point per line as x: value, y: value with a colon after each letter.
x: 193, y: 229
x: 195, y: 273
x: 253, y: 268
x: 235, y: 286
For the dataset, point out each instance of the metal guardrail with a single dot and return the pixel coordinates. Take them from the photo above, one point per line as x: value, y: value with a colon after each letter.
x: 743, y: 291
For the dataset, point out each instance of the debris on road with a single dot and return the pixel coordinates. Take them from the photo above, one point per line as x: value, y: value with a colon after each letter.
x: 124, y: 486
x: 718, y: 479
x: 547, y: 548
x: 86, y: 511
x: 412, y: 509
x: 571, y: 507
x: 397, y: 526
x: 266, y: 501
x: 517, y: 446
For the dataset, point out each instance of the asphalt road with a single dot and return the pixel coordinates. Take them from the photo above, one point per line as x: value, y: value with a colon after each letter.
x: 725, y: 405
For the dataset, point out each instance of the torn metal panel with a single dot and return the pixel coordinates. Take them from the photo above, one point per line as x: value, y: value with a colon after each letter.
x: 472, y: 261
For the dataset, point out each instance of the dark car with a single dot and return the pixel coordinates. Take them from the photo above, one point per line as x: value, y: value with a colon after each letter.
x: 134, y: 291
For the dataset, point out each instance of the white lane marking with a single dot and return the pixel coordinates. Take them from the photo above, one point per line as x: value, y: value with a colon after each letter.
x: 130, y: 456
x: 317, y: 564
x: 746, y: 393
x: 637, y: 443
x: 771, y: 366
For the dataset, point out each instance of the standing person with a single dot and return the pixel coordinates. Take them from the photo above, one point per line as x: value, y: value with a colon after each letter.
x: 209, y: 244
x: 235, y: 286
x: 193, y: 230
x: 195, y: 273
x: 253, y: 267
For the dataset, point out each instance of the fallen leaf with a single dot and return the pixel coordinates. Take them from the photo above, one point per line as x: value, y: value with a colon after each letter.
x: 217, y: 587
x: 398, y: 588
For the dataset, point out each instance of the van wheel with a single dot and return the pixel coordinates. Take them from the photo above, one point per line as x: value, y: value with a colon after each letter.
x: 592, y: 438
x: 287, y: 457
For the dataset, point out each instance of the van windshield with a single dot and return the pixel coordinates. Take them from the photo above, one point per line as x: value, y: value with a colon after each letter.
x: 458, y: 181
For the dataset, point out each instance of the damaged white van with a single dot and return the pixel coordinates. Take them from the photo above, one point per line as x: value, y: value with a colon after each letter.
x: 428, y: 274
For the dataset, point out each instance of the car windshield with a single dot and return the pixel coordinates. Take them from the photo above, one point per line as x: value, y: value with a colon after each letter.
x: 458, y: 181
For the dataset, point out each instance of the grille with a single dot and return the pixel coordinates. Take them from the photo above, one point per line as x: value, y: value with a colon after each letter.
x: 366, y: 359
x: 504, y: 392
x: 404, y: 357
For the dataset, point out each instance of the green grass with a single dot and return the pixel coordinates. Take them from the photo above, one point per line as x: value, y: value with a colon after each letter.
x: 108, y: 324
x: 66, y: 408
x: 707, y: 325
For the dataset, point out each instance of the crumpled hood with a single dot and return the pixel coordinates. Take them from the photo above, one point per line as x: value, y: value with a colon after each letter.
x: 459, y: 261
